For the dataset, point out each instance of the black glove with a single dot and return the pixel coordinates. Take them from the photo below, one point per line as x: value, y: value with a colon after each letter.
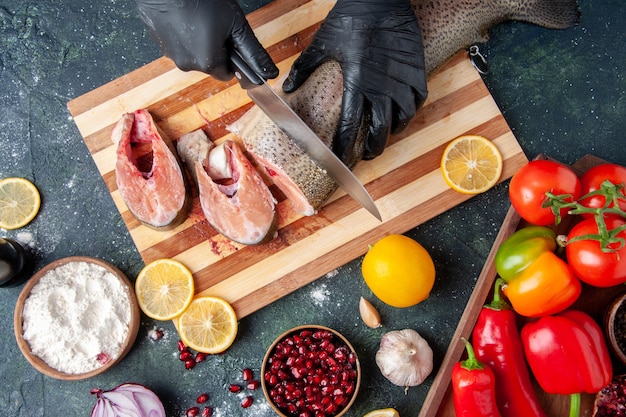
x: 201, y: 35
x: 378, y: 44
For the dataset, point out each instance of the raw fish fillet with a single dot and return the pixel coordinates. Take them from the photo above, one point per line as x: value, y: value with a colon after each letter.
x: 234, y: 198
x: 148, y: 174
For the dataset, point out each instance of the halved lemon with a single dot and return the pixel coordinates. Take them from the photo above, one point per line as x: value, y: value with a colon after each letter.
x: 383, y: 412
x: 164, y: 289
x: 208, y: 325
x: 19, y: 202
x: 471, y: 164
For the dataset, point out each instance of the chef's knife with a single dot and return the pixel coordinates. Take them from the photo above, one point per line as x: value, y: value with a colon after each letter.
x: 286, y: 119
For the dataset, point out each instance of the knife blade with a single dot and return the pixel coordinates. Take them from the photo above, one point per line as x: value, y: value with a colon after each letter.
x: 287, y: 120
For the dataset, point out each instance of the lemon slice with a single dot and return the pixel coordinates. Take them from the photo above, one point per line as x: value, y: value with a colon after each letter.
x: 471, y: 164
x: 19, y: 202
x: 383, y: 412
x: 164, y: 289
x: 208, y: 325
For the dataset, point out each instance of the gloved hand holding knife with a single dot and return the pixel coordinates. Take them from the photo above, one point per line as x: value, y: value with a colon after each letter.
x: 202, y: 34
x: 377, y: 42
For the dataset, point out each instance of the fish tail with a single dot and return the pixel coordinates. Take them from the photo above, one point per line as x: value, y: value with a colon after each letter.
x: 552, y: 14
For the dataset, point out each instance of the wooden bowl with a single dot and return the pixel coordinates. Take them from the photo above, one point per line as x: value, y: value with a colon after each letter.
x: 40, y: 364
x: 614, y: 318
x: 339, y: 340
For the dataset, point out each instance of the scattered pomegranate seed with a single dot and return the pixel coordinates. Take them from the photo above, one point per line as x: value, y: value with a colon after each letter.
x: 207, y: 412
x: 201, y: 356
x: 234, y: 388
x: 202, y: 398
x: 192, y: 412
x: 253, y: 384
x: 190, y: 363
x: 185, y: 355
x: 156, y: 334
x: 246, y: 374
x: 181, y: 346
x: 103, y: 358
x: 246, y: 402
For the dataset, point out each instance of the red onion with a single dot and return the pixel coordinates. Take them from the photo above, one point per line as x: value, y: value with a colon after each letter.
x: 127, y: 400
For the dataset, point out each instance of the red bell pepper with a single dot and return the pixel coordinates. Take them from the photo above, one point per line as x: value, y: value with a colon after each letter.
x: 568, y: 355
x: 473, y: 387
x: 497, y: 343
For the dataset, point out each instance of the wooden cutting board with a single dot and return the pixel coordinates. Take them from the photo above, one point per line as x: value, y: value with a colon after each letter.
x: 405, y: 181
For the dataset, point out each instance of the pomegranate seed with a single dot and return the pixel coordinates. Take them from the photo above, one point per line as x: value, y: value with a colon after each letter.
x: 192, y: 412
x: 253, y: 384
x: 181, y: 346
x: 246, y: 374
x: 246, y: 402
x: 202, y: 398
x: 207, y: 412
x: 103, y: 358
x: 190, y: 363
x: 234, y: 388
x: 201, y: 356
x: 185, y: 355
x: 156, y: 334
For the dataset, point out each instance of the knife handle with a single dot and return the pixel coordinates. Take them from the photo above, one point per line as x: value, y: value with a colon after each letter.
x: 245, y: 75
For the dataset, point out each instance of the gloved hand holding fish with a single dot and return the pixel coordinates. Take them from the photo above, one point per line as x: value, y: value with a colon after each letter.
x: 379, y: 47
x: 352, y: 87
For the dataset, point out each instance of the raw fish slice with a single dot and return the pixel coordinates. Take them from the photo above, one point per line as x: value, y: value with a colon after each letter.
x: 318, y: 103
x: 234, y: 198
x: 148, y: 175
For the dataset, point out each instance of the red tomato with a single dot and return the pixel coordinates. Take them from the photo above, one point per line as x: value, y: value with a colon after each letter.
x: 593, y: 179
x: 589, y: 262
x: 529, y: 185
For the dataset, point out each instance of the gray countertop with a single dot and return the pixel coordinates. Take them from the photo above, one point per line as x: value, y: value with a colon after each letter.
x: 563, y: 94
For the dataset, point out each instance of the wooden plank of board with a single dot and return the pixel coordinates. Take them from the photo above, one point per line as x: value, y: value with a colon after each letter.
x: 404, y: 181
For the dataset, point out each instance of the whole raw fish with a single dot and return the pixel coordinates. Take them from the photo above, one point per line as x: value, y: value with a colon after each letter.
x: 149, y: 177
x: 447, y: 27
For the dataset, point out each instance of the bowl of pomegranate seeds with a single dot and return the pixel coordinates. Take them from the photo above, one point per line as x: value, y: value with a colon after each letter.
x: 312, y: 371
x: 615, y: 327
x: 76, y: 318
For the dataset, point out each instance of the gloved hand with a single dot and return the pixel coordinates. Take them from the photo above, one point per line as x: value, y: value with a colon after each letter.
x: 201, y: 34
x: 378, y: 44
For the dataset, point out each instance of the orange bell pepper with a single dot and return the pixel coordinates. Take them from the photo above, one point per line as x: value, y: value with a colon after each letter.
x: 543, y: 283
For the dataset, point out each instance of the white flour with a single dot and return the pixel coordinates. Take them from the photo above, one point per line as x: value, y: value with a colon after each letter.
x: 74, y: 313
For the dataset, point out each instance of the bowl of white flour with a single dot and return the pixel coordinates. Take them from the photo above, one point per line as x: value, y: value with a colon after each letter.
x: 76, y: 318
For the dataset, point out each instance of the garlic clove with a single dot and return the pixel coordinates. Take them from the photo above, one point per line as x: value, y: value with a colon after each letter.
x: 404, y: 357
x: 369, y: 314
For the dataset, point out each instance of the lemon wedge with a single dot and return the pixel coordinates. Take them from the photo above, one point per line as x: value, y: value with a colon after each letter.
x: 471, y: 164
x: 19, y: 202
x: 383, y: 412
x: 164, y: 289
x: 208, y: 325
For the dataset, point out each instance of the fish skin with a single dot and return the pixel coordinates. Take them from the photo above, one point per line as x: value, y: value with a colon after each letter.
x: 303, y: 182
x: 447, y: 27
x: 158, y: 198
x: 243, y: 210
x: 451, y: 26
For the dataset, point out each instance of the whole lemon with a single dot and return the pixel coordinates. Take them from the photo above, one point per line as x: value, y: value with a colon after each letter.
x: 399, y: 271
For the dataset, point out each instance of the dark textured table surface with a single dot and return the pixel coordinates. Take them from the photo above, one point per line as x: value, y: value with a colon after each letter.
x: 562, y: 92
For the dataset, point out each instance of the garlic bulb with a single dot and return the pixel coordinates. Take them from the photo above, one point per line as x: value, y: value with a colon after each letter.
x: 404, y: 357
x: 127, y: 400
